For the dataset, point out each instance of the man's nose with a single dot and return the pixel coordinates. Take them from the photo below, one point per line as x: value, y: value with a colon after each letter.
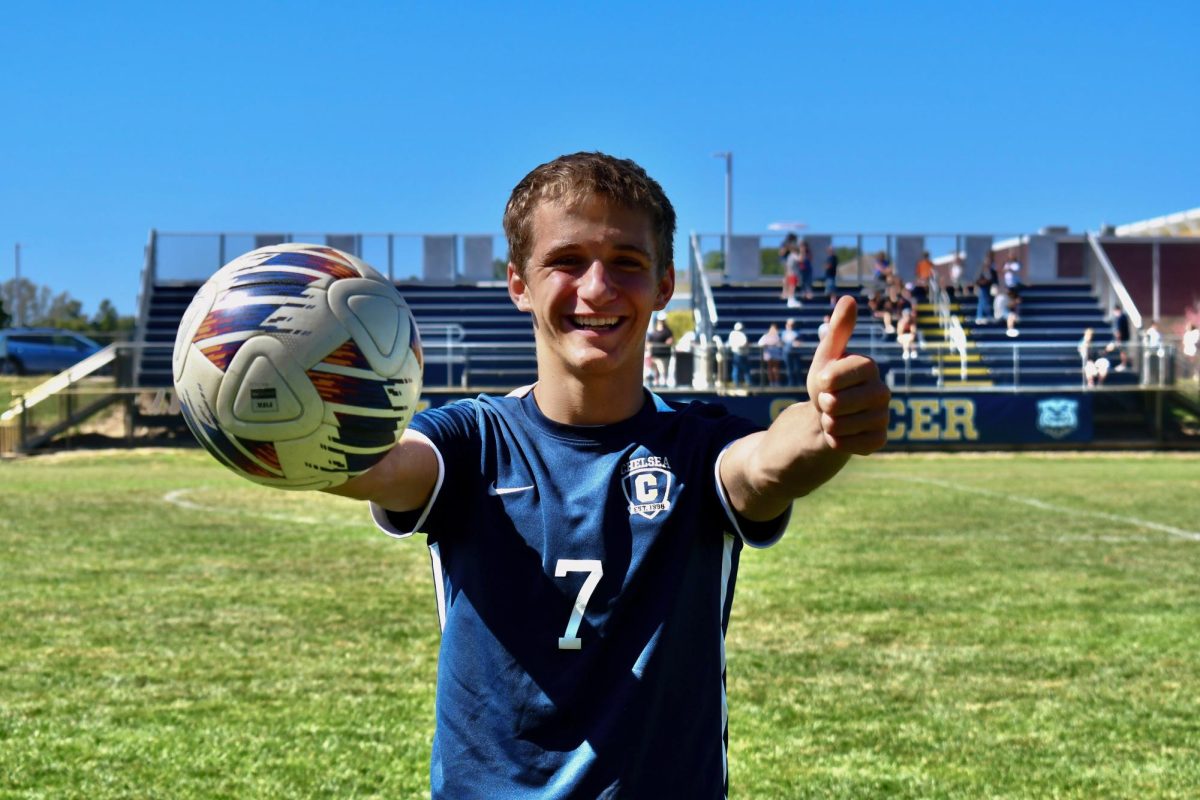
x: 597, y: 281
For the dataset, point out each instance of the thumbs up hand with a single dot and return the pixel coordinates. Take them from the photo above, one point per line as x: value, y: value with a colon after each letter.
x: 809, y: 442
x: 847, y: 394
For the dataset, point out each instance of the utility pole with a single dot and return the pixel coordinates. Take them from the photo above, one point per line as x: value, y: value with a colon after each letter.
x: 18, y: 316
x: 728, y: 156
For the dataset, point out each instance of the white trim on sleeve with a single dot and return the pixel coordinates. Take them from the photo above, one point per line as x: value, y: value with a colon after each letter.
x: 380, y: 515
x: 732, y: 515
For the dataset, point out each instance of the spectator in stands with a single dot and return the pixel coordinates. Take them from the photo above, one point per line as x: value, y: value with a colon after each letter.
x: 1012, y: 273
x: 891, y: 305
x: 739, y: 351
x: 793, y: 362
x: 1152, y: 353
x: 906, y: 333
x: 772, y: 354
x: 1095, y: 365
x: 789, y: 261
x: 660, y: 340
x: 787, y: 247
x: 806, y: 271
x: 1152, y: 339
x: 883, y: 270
x: 1006, y: 310
x: 823, y: 329
x: 720, y: 362
x: 684, y: 372
x: 1120, y: 337
x: 831, y: 268
x: 985, y: 286
x: 1191, y: 348
x: 1013, y: 320
x: 924, y: 274
x: 955, y: 286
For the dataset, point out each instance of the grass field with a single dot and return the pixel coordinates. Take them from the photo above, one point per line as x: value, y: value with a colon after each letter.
x: 965, y: 626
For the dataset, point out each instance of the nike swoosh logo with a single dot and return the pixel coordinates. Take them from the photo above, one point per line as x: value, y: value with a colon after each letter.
x: 498, y: 490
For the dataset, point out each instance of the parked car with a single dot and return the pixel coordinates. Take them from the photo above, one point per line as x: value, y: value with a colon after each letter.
x: 35, y: 350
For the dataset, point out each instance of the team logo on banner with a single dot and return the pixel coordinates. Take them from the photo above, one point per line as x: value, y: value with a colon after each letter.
x: 647, y: 484
x: 1058, y: 416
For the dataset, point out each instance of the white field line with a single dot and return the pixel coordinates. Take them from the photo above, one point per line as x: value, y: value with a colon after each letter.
x: 178, y: 498
x: 1042, y: 505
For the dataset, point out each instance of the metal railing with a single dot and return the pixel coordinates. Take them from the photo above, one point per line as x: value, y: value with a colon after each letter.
x: 442, y: 343
x: 902, y: 249
x: 67, y: 400
x: 1107, y: 284
x: 704, y: 305
x: 954, y: 337
x: 63, y: 400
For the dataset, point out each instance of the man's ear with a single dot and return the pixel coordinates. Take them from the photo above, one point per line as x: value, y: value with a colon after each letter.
x: 518, y: 290
x: 666, y: 288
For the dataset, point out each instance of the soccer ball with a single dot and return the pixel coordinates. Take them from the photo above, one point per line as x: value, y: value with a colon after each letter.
x: 297, y: 366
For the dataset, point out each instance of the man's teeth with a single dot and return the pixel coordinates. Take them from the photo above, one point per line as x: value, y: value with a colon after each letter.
x: 595, y: 322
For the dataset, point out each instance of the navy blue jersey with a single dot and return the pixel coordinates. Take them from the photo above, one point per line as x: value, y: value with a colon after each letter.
x: 584, y: 577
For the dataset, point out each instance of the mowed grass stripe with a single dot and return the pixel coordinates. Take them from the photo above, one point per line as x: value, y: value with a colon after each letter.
x: 903, y: 640
x: 1054, y: 509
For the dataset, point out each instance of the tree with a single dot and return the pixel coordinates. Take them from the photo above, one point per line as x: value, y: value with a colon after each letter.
x: 768, y: 258
x: 32, y: 305
x: 107, y: 319
x: 64, y: 312
x: 680, y: 321
x: 26, y: 301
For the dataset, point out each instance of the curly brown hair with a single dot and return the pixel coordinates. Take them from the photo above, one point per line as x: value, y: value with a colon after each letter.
x: 573, y: 179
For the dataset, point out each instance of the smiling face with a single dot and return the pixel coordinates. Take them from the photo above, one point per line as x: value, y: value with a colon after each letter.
x: 592, y: 287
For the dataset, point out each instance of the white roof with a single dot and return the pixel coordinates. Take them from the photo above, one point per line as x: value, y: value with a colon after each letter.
x: 1181, y: 223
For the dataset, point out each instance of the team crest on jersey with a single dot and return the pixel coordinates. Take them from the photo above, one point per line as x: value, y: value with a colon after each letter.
x: 647, y: 483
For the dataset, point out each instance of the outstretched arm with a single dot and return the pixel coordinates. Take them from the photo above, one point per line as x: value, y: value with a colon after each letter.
x: 806, y: 445
x: 401, y: 481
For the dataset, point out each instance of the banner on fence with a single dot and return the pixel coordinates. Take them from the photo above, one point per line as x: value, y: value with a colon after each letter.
x: 933, y: 419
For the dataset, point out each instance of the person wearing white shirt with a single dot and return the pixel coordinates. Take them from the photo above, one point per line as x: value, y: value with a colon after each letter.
x: 1191, y: 345
x: 739, y: 348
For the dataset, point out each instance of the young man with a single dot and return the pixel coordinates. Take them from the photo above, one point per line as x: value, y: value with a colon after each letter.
x: 584, y: 532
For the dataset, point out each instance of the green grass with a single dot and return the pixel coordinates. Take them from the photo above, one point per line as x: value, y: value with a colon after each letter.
x: 13, y: 385
x: 915, y: 635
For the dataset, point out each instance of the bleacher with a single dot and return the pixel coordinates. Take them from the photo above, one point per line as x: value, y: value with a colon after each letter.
x: 475, y: 329
x: 164, y: 310
x: 758, y: 305
x: 500, y: 351
x: 465, y: 328
x: 1053, y: 318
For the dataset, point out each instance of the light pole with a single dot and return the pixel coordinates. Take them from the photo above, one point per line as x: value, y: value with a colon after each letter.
x: 18, y: 317
x: 728, y: 156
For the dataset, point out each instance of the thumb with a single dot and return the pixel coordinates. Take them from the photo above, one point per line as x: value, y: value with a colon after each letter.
x: 841, y: 326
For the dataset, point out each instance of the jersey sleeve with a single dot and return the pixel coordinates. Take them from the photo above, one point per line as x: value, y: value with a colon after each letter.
x: 727, y: 428
x: 452, y: 432
x: 753, y: 533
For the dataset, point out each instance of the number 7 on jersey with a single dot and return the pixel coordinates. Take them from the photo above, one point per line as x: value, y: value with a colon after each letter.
x: 570, y: 639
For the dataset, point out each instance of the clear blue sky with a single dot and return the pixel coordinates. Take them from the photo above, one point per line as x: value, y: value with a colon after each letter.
x: 396, y: 116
